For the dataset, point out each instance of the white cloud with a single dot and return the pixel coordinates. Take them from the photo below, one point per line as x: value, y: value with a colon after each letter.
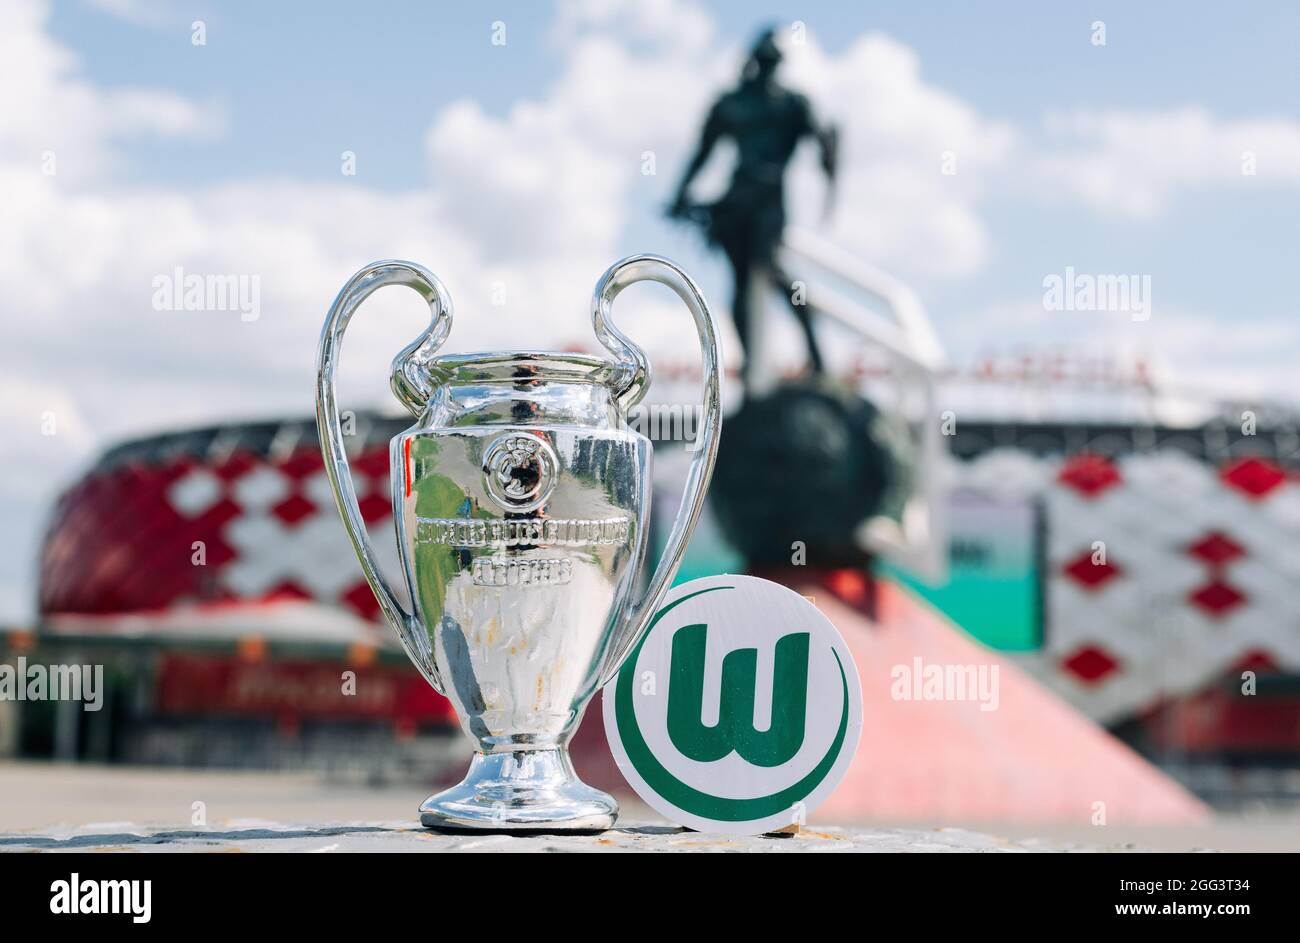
x: 45, y: 435
x: 50, y: 109
x: 35, y: 438
x: 896, y: 206
x: 1135, y: 163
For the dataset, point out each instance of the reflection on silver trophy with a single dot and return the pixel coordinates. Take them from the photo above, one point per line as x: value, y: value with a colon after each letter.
x: 521, y: 503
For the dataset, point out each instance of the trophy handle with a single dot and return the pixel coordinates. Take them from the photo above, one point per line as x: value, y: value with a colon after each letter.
x: 631, y: 380
x: 412, y: 384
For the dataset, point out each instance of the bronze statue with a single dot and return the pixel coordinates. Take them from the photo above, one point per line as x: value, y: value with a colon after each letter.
x: 766, y: 121
x: 805, y: 461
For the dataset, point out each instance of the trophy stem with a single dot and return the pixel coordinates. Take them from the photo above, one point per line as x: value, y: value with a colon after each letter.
x: 521, y: 790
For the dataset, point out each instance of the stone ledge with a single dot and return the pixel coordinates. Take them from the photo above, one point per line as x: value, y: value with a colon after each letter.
x: 262, y: 836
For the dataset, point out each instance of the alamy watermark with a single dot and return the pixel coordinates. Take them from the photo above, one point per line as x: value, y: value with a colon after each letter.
x: 1129, y: 294
x: 79, y: 895
x: 936, y: 682
x: 668, y: 422
x: 24, y: 682
x: 178, y: 291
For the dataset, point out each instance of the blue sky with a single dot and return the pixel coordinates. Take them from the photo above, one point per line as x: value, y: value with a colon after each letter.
x: 520, y: 166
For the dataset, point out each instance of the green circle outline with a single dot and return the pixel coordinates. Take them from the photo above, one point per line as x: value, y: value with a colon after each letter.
x: 687, y: 798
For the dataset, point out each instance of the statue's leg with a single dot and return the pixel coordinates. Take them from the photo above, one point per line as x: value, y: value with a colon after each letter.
x: 740, y: 312
x: 802, y: 312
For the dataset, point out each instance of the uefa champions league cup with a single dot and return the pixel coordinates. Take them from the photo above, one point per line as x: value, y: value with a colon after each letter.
x: 521, y: 502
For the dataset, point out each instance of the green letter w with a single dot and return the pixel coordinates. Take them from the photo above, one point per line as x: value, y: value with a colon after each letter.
x: 735, y: 727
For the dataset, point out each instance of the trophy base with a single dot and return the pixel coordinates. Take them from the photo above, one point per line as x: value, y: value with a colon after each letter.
x: 521, y: 791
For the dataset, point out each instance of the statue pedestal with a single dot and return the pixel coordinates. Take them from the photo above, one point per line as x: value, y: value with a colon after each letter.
x: 799, y: 470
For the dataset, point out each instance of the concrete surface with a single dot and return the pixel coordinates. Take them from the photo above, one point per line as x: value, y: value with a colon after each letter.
x: 55, y: 806
x: 404, y: 837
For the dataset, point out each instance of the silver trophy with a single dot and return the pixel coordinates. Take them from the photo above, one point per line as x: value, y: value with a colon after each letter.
x: 521, y: 500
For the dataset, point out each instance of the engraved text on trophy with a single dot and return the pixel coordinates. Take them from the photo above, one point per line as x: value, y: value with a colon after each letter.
x: 519, y: 534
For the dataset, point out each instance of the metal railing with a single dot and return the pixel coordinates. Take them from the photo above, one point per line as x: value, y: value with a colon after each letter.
x: 898, y: 328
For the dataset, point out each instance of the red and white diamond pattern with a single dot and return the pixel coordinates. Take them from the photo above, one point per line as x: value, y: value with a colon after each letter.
x: 288, y: 539
x: 269, y: 529
x: 1163, y: 571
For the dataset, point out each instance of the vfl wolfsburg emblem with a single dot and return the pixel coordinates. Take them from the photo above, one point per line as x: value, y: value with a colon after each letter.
x: 740, y: 709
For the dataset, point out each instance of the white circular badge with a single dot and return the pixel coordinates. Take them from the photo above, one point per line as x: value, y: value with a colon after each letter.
x: 740, y: 709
